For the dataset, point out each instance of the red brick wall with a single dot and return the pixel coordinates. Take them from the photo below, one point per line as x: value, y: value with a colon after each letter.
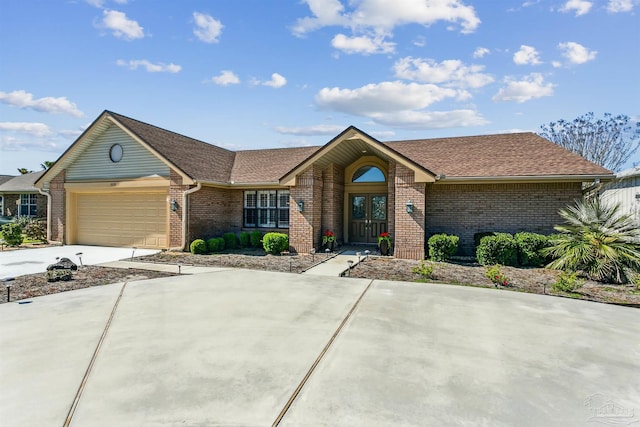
x: 466, y: 209
x: 11, y: 208
x: 213, y: 212
x: 333, y: 200
x: 409, y: 232
x: 176, y: 190
x: 58, y: 207
x: 391, y: 198
x: 305, y: 227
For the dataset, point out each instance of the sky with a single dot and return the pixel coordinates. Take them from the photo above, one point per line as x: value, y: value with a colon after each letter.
x: 247, y: 74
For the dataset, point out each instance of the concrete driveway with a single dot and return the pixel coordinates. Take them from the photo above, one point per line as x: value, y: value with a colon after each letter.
x: 28, y: 261
x: 249, y: 348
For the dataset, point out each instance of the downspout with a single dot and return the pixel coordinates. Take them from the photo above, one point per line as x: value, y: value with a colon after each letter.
x: 46, y: 193
x: 184, y: 216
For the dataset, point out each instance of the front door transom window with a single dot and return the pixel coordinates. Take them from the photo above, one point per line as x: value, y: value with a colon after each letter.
x: 368, y: 173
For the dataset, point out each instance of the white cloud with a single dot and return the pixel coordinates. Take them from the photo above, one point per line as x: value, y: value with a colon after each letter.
x: 160, y: 67
x: 22, y: 99
x: 121, y: 26
x: 576, y: 53
x: 30, y: 128
x: 451, y: 72
x: 311, y: 130
x: 382, y: 134
x: 527, y: 55
x: 208, y: 28
x: 618, y: 6
x: 431, y: 119
x: 581, y: 7
x: 530, y: 87
x: 481, y: 52
x: 100, y: 3
x: 277, y: 81
x: 362, y: 44
x: 226, y: 78
x: 372, y: 21
x: 385, y: 97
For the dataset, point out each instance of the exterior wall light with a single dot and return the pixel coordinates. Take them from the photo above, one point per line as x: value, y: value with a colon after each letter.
x: 300, y: 206
x: 174, y: 206
x: 409, y: 206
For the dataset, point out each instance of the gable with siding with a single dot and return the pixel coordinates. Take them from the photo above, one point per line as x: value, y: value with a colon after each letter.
x: 137, y: 161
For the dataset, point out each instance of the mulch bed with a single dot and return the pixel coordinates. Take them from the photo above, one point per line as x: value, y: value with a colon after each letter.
x: 532, y: 280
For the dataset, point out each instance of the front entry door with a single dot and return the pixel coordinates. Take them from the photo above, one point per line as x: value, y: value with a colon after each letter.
x: 367, y: 217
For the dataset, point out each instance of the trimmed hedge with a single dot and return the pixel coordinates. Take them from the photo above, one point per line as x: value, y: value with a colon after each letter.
x: 230, y: 240
x: 442, y: 246
x: 12, y: 234
x: 215, y: 244
x: 501, y: 249
x: 244, y: 239
x: 275, y: 243
x: 256, y: 238
x: 198, y: 246
x: 530, y: 246
x: 478, y: 236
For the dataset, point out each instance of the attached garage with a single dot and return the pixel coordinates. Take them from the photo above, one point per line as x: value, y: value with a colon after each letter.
x: 133, y: 218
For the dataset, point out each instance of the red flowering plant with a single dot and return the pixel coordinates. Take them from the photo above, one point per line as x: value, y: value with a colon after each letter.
x: 328, y: 237
x: 496, y: 276
x: 384, y: 236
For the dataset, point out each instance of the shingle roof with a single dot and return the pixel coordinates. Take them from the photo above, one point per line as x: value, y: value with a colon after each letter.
x: 267, y: 165
x: 198, y: 159
x: 21, y: 183
x: 5, y: 178
x: 485, y: 156
x: 501, y: 155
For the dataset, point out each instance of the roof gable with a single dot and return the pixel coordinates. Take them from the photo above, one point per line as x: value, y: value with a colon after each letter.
x: 24, y: 183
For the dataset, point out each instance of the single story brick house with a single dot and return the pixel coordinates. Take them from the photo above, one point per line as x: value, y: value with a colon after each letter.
x: 19, y: 196
x: 128, y: 183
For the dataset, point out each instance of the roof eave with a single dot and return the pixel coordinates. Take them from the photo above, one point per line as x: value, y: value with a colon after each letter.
x: 526, y: 178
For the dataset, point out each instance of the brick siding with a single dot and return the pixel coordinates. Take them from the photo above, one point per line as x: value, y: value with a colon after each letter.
x: 408, y: 227
x: 305, y: 228
x: 466, y: 209
x: 213, y: 212
x: 333, y: 200
x: 58, y: 207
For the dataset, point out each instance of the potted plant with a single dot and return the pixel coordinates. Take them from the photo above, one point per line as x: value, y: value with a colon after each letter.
x: 384, y: 243
x: 328, y: 240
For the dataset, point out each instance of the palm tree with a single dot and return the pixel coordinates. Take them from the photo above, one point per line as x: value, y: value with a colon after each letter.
x: 24, y: 171
x: 46, y: 165
x: 598, y: 240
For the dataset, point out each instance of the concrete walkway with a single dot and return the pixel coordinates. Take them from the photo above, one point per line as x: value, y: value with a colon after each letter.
x: 169, y: 268
x: 250, y: 348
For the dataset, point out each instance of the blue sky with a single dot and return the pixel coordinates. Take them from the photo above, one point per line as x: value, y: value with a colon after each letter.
x: 246, y: 74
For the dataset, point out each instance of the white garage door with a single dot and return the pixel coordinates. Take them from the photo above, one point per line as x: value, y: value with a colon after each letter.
x: 122, y: 219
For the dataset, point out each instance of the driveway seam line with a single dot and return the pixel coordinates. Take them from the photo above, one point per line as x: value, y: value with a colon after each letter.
x: 83, y: 383
x: 298, y: 389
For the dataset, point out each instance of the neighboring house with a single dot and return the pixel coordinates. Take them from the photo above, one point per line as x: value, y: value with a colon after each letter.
x: 625, y: 190
x: 128, y: 183
x: 19, y: 196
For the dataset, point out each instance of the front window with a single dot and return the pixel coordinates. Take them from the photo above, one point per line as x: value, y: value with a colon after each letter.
x: 369, y: 174
x: 28, y: 204
x: 266, y: 208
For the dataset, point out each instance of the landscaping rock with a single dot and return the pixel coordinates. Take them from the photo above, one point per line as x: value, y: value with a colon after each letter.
x: 63, y: 264
x: 59, y: 274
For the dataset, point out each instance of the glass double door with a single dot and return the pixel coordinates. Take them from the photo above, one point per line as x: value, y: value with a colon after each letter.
x: 367, y: 217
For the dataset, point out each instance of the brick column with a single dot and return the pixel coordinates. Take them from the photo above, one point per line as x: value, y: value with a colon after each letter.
x: 333, y: 200
x: 58, y: 207
x: 409, y: 228
x: 176, y: 190
x: 305, y: 227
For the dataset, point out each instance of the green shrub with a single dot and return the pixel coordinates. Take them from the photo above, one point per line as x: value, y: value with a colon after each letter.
x: 198, y: 246
x: 567, y: 282
x: 230, y: 240
x: 244, y: 239
x: 442, y: 246
x: 498, y: 249
x: 213, y: 244
x: 275, y: 243
x: 599, y: 239
x: 530, y: 246
x: 12, y: 233
x: 221, y: 244
x: 424, y: 270
x: 35, y: 230
x: 497, y: 277
x: 478, y: 236
x: 256, y: 238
